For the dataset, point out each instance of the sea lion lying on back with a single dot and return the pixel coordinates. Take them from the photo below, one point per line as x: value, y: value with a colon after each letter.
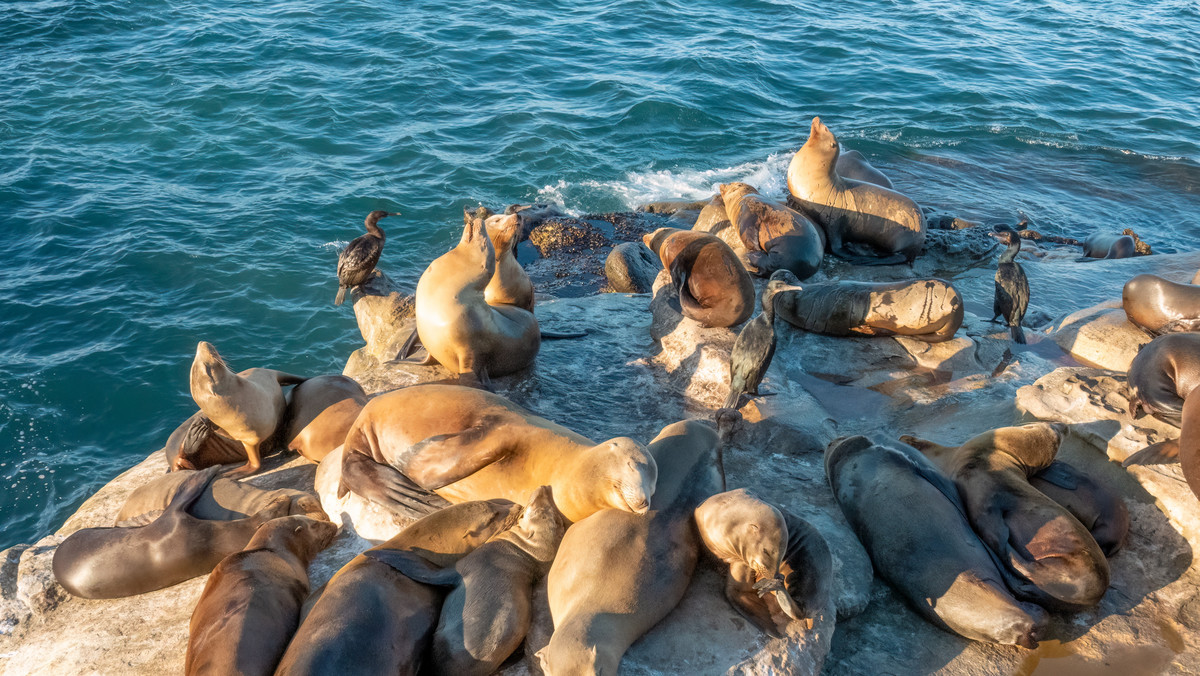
x: 776, y: 237
x: 713, y: 286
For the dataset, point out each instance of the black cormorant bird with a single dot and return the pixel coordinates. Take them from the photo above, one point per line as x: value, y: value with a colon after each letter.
x: 755, y: 345
x: 358, y: 259
x: 1012, y: 288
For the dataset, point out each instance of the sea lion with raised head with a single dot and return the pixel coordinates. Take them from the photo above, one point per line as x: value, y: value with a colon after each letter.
x: 372, y: 619
x: 775, y: 236
x: 510, y: 285
x: 1163, y: 381
x: 911, y: 521
x: 250, y: 605
x: 852, y: 211
x: 467, y: 444
x: 199, y: 444
x: 1047, y: 556
x: 713, y: 286
x: 1108, y: 246
x: 222, y: 500
x: 319, y: 413
x: 853, y: 165
x: 109, y: 563
x: 925, y: 309
x: 1100, y: 509
x: 248, y: 406
x: 617, y: 574
x: 1161, y: 306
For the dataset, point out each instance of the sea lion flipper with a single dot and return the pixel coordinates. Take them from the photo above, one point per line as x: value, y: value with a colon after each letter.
x: 414, y: 567
x: 287, y: 378
x: 191, y: 490
x: 855, y: 259
x: 461, y: 454
x: 750, y: 606
x: 1162, y: 453
x: 1060, y: 474
x: 386, y: 486
x: 410, y: 345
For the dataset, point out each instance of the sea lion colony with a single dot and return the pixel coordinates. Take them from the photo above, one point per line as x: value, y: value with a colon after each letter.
x: 981, y: 536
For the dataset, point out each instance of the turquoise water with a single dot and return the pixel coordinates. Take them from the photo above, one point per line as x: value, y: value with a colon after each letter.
x: 178, y: 171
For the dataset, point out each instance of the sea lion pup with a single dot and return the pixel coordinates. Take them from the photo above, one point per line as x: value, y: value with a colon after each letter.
x: 755, y: 345
x: 198, y: 444
x: 925, y: 309
x: 852, y: 165
x: 357, y: 261
x: 776, y: 237
x: 1012, y: 287
x: 319, y: 413
x: 1160, y: 305
x: 616, y: 573
x: 250, y: 605
x: 222, y: 500
x: 852, y: 211
x: 1047, y: 556
x: 486, y: 616
x: 1108, y: 246
x: 757, y: 540
x: 457, y: 326
x: 510, y: 285
x: 1101, y: 510
x: 1163, y: 380
x: 468, y: 444
x: 713, y: 286
x: 370, y: 618
x: 911, y: 522
x: 109, y: 563
x: 248, y: 406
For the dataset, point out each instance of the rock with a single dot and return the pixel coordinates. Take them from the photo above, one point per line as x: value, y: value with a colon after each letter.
x: 1101, y: 336
x: 631, y: 268
x: 367, y: 519
x: 566, y: 235
x: 386, y: 315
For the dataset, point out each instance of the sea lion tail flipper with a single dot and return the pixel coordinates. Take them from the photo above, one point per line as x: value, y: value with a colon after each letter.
x: 288, y: 379
x: 410, y: 344
x: 191, y: 490
x: 855, y: 259
x: 386, y: 486
x: 414, y: 567
x: 1059, y: 474
x: 1018, y: 335
x: 554, y: 335
x: 751, y: 606
x: 341, y: 296
x: 1155, y: 454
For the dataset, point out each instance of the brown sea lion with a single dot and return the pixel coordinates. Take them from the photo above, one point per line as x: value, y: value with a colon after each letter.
x: 222, y: 500
x: 456, y: 324
x: 372, y: 619
x: 1101, y: 510
x: 1047, y: 555
x: 926, y: 309
x: 776, y: 237
x: 714, y: 220
x: 911, y: 521
x: 250, y: 605
x: 510, y: 285
x: 616, y: 573
x: 1163, y: 380
x: 468, y: 444
x: 109, y: 563
x: 1108, y: 246
x: 1160, y: 305
x: 713, y: 286
x: 199, y: 444
x: 319, y: 413
x: 852, y: 165
x: 852, y: 211
x: 248, y: 406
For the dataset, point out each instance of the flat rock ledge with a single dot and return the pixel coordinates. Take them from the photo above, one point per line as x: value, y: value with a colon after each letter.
x: 643, y: 366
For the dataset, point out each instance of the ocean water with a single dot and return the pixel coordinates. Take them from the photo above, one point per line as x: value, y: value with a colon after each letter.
x: 186, y: 170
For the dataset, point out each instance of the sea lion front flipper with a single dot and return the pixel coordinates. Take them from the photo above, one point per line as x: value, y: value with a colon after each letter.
x: 446, y: 458
x: 386, y: 486
x: 410, y: 345
x: 415, y: 568
x: 1060, y: 474
x: 1162, y: 453
x: 747, y: 601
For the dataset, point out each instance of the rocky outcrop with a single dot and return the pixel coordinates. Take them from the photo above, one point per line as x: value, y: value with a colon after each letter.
x: 631, y: 268
x: 1101, y: 336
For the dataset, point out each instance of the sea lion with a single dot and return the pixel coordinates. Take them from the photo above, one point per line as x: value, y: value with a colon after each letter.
x: 1011, y: 298
x: 714, y: 289
x: 755, y: 345
x: 776, y: 237
x: 222, y: 500
x: 198, y: 444
x: 510, y: 285
x: 456, y: 324
x: 911, y: 521
x: 1160, y: 305
x: 1046, y: 555
x: 925, y: 309
x: 109, y: 563
x: 1163, y: 380
x: 852, y: 165
x: 1101, y: 510
x: 357, y: 261
x: 714, y: 220
x: 486, y: 616
x: 250, y: 605
x: 319, y: 413
x: 372, y: 619
x: 616, y: 573
x: 754, y: 539
x: 1108, y: 246
x: 248, y: 406
x: 852, y: 211
x: 468, y: 444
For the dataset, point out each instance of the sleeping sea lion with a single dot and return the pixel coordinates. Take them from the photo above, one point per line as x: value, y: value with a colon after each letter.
x: 1101, y: 510
x: 925, y: 309
x: 852, y: 165
x: 222, y: 500
x: 1108, y: 246
x: 199, y: 444
x: 852, y: 211
x: 1163, y: 380
x: 319, y: 413
x: 776, y: 237
x: 1160, y: 305
x: 250, y: 605
x: 713, y: 286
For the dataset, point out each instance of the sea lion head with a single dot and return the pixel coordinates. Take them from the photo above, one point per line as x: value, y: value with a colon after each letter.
x: 502, y: 230
x: 731, y: 192
x: 302, y: 535
x: 208, y: 368
x: 654, y: 240
x: 631, y: 472
x: 541, y: 525
x: 821, y: 142
x: 738, y: 524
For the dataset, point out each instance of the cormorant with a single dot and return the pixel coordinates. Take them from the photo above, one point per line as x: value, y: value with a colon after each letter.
x: 358, y: 259
x: 755, y: 345
x: 1012, y: 288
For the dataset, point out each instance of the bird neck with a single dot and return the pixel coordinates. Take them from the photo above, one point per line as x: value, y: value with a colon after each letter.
x: 768, y: 307
x: 374, y: 229
x: 1010, y: 254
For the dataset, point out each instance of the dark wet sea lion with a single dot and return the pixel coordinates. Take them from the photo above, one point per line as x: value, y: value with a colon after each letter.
x: 468, y: 444
x: 1108, y: 246
x: 1163, y: 380
x: 912, y: 523
x: 1048, y: 556
x: 616, y: 573
x: 852, y: 165
x: 852, y: 211
x: 775, y: 236
x: 199, y: 444
x: 713, y: 286
x: 319, y: 413
x: 372, y: 619
x: 108, y: 563
x: 1101, y: 510
x: 222, y: 500
x: 357, y: 261
x: 755, y: 345
x: 1160, y: 305
x: 926, y: 309
x: 250, y: 606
